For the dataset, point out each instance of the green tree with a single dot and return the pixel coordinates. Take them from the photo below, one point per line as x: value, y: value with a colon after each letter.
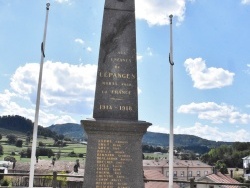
x: 41, y: 144
x: 1, y: 137
x: 11, y: 138
x: 221, y: 166
x: 1, y: 150
x: 61, y: 137
x: 28, y: 138
x: 241, y: 146
x: 19, y: 143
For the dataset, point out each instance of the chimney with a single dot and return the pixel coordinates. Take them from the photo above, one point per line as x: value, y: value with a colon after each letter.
x: 231, y: 173
x: 214, y: 170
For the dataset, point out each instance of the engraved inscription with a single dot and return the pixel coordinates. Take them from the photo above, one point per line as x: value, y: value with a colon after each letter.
x: 121, y: 60
x: 106, y: 107
x: 111, y: 158
x: 116, y: 75
x: 120, y: 92
x: 118, y: 82
x: 117, y: 85
x: 112, y: 107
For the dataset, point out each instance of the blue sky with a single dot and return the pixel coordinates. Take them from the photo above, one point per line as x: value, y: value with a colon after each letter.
x: 211, y: 54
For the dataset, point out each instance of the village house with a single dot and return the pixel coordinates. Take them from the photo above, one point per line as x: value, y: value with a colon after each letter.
x: 183, y: 169
x: 217, y: 178
x: 155, y: 175
x: 4, y: 166
x: 246, y: 167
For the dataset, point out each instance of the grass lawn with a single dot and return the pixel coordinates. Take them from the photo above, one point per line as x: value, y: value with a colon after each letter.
x: 71, y: 147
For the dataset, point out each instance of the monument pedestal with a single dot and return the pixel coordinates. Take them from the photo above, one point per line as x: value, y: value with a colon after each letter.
x: 114, y: 153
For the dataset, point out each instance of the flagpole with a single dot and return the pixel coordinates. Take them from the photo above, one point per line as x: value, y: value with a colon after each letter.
x: 171, y: 131
x: 34, y: 142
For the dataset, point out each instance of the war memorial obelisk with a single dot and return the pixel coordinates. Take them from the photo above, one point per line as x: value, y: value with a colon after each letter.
x: 114, y: 154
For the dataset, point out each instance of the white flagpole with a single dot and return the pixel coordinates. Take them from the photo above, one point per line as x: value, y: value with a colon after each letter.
x: 34, y: 142
x: 171, y: 131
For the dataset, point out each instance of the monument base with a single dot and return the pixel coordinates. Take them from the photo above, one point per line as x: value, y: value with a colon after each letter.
x: 114, y: 153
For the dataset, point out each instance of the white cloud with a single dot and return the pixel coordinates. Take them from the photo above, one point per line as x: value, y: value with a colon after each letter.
x: 6, y: 96
x: 248, y: 69
x: 67, y: 90
x: 62, y: 1
x: 245, y: 2
x: 157, y: 12
x: 139, y: 57
x: 80, y: 41
x: 158, y: 129
x: 206, y: 132
x: 62, y: 84
x: 207, y: 78
x: 215, y: 113
x: 213, y: 133
x: 89, y: 49
x: 149, y: 51
x: 65, y: 119
x: 139, y: 91
x: 45, y: 119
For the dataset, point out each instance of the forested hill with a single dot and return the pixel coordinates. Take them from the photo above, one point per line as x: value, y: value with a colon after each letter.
x: 187, y: 142
x: 152, y: 138
x: 21, y: 124
x: 71, y: 130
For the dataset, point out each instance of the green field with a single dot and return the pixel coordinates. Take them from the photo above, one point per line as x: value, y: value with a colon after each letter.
x: 8, y: 149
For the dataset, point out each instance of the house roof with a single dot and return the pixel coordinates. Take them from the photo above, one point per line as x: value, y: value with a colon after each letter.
x: 177, y: 163
x: 155, y: 175
x: 220, y: 178
x: 247, y: 157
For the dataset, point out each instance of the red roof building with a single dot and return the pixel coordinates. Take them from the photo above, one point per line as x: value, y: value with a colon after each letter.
x: 217, y: 178
x: 156, y: 175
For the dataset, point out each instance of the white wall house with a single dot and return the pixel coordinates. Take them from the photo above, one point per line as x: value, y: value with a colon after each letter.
x: 183, y: 169
x: 246, y: 167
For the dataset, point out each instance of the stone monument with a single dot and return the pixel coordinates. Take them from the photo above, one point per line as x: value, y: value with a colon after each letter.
x: 114, y: 152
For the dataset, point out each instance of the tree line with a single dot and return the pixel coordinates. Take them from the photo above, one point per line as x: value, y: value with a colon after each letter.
x: 229, y: 156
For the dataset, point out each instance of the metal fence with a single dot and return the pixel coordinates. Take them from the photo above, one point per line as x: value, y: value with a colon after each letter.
x: 45, y: 180
x: 76, y: 181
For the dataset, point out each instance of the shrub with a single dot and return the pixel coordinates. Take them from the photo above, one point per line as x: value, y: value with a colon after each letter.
x: 67, y: 139
x: 19, y: 143
x: 11, y: 138
x: 25, y: 153
x: 81, y: 155
x: 72, y: 154
x: 41, y: 144
x: 247, y: 181
x: 60, y: 143
x: 5, y: 182
x: 240, y: 179
x: 1, y: 150
x: 10, y: 158
x: 44, y: 152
